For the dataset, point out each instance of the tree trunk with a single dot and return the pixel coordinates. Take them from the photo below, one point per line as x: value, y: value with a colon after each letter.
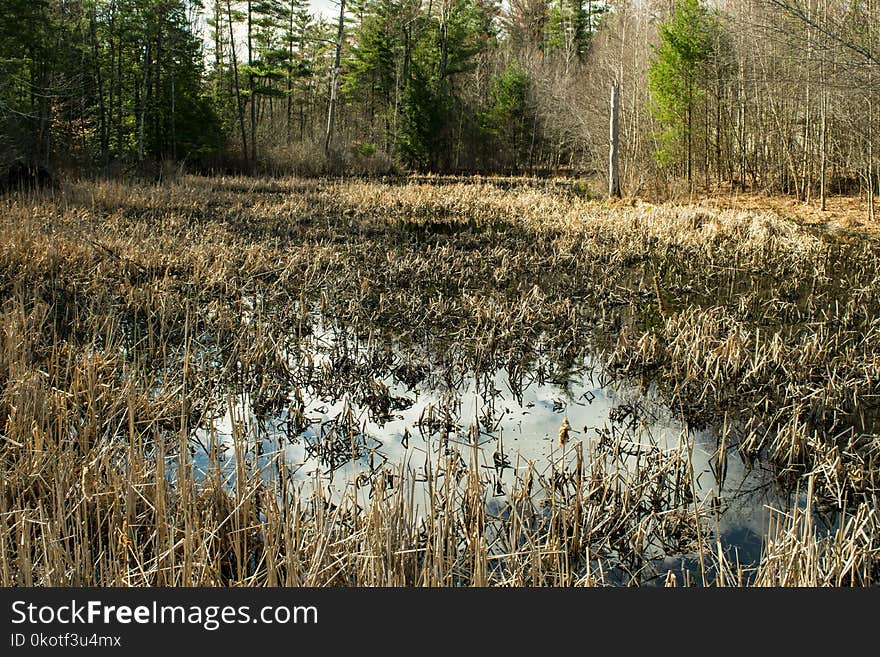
x: 688, y: 136
x: 334, y: 82
x: 99, y: 83
x: 173, y: 118
x: 244, y: 145
x: 120, y: 119
x: 870, y: 160
x: 823, y: 147
x: 143, y: 104
x: 252, y: 98
x: 823, y: 127
x: 805, y: 178
x: 290, y: 76
x: 613, y: 156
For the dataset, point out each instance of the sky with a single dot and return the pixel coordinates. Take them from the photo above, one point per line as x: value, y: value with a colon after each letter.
x: 327, y: 8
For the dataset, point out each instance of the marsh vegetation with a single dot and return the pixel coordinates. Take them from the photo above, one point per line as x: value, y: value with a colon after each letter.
x: 230, y: 381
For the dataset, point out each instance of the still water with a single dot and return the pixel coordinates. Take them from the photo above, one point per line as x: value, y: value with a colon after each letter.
x: 362, y: 406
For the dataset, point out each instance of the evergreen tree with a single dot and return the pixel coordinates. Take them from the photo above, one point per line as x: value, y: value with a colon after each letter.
x: 508, y: 118
x: 677, y: 77
x: 372, y: 73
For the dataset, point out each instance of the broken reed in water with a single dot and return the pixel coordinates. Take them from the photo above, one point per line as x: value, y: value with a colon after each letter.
x: 131, y: 314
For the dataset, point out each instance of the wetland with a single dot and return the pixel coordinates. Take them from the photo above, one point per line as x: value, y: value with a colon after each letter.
x: 241, y: 382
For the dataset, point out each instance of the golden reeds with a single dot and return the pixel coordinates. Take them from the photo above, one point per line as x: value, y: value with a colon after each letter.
x: 132, y: 316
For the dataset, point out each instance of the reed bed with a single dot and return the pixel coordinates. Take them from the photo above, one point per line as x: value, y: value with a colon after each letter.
x: 132, y: 315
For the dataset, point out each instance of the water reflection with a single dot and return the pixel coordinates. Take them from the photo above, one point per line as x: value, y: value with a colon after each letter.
x: 365, y: 407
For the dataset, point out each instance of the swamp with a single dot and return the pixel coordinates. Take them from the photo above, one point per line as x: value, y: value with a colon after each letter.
x: 429, y: 381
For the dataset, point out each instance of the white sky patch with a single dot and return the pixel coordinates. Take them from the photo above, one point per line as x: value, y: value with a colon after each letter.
x: 326, y: 8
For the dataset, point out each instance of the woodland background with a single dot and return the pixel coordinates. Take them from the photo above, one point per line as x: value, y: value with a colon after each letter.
x: 770, y: 95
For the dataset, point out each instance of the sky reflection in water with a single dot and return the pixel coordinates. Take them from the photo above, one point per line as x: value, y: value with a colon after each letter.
x: 420, y: 424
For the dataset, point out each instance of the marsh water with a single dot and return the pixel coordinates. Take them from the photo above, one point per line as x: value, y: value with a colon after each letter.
x: 358, y: 406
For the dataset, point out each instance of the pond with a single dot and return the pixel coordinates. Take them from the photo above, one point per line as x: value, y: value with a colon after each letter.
x: 363, y: 406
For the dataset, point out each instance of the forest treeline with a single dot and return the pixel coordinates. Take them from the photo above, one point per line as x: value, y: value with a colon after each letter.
x: 776, y: 95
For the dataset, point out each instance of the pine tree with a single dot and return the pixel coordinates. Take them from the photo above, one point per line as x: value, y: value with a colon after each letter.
x: 507, y: 119
x: 677, y: 74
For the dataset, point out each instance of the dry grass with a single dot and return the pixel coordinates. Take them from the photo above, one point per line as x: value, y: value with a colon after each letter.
x: 131, y: 314
x: 844, y: 214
